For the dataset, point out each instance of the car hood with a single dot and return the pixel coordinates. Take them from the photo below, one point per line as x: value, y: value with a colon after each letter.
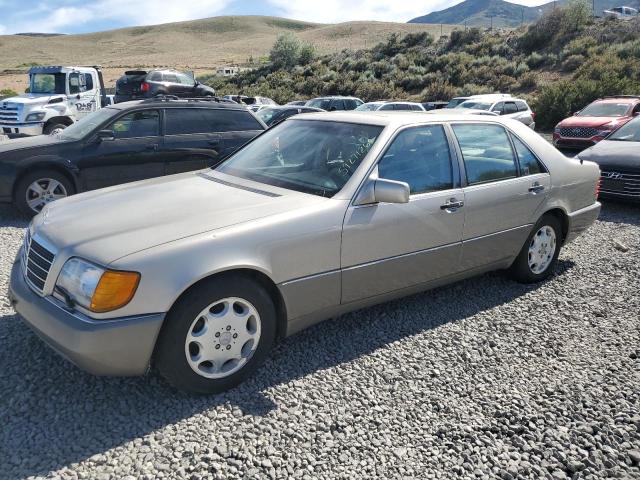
x: 38, y: 141
x: 593, y: 122
x: 105, y: 225
x: 614, y: 154
x: 33, y: 99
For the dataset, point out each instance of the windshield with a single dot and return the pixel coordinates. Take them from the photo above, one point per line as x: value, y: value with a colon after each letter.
x: 308, y: 156
x: 47, y: 83
x: 602, y: 109
x: 268, y: 115
x: 369, y: 107
x: 88, y: 124
x: 475, y: 105
x: 454, y: 102
x: 629, y: 132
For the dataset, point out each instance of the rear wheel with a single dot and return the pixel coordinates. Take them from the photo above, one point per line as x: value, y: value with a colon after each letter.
x: 216, y: 335
x: 539, y: 255
x: 37, y: 189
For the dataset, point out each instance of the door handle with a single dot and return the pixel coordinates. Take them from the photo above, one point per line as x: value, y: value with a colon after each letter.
x: 536, y: 188
x: 214, y: 143
x: 151, y: 148
x: 452, y: 205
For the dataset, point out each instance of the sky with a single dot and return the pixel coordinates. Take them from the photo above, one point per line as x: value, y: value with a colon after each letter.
x: 82, y: 16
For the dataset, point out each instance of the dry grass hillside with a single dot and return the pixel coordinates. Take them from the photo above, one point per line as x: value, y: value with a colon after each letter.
x: 199, y: 45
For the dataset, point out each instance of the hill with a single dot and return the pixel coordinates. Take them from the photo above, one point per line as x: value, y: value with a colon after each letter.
x: 559, y: 63
x: 499, y: 13
x: 198, y: 45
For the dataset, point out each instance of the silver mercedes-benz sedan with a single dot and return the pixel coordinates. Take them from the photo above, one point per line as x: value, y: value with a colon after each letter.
x: 202, y: 272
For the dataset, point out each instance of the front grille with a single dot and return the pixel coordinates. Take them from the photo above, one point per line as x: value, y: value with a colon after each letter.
x: 9, y: 113
x: 620, y: 182
x: 578, y: 132
x: 37, y: 262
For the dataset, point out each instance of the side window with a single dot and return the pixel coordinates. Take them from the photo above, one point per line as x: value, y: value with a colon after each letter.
x: 388, y: 106
x: 155, y: 77
x: 419, y: 156
x: 145, y: 123
x: 486, y: 152
x: 184, y: 79
x: 510, y: 107
x: 522, y: 106
x: 88, y: 82
x: 170, y: 77
x: 181, y: 121
x: 74, y: 83
x: 529, y: 164
x: 636, y: 109
x: 402, y: 106
x: 337, y: 105
x: 498, y: 108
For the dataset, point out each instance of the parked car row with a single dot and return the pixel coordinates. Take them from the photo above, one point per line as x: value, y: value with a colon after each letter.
x: 201, y: 273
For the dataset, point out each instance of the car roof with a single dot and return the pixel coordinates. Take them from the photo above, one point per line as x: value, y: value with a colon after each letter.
x: 195, y: 103
x: 396, y: 118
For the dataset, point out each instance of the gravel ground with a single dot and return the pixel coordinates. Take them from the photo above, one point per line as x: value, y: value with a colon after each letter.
x: 482, y: 379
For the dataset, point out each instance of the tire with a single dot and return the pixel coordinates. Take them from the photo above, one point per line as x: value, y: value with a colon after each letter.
x: 53, y: 128
x: 24, y: 190
x: 537, y: 261
x: 191, y: 349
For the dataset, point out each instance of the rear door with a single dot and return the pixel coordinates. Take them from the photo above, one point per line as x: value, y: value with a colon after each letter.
x: 388, y: 247
x: 191, y: 139
x: 236, y: 128
x: 502, y: 198
x: 131, y: 155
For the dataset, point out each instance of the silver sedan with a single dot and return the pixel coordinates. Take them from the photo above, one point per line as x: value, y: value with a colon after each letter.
x: 202, y: 272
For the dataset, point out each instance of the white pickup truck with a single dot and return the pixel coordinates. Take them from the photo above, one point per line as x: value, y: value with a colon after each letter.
x: 58, y: 97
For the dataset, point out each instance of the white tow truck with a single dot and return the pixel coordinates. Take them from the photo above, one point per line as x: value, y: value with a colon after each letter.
x: 58, y: 96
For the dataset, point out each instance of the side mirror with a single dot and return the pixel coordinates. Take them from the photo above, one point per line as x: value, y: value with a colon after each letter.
x: 381, y: 190
x: 105, y: 135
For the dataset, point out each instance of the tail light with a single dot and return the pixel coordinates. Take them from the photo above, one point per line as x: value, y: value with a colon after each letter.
x: 598, y: 187
x: 533, y: 115
x: 145, y: 87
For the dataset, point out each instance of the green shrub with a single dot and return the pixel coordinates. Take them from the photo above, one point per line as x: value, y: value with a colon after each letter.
x: 572, y: 62
x: 8, y: 92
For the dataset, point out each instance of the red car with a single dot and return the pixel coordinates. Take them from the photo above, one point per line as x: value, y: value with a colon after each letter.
x: 596, y: 121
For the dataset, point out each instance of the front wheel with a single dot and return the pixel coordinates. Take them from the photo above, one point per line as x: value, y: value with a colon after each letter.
x: 39, y: 188
x: 217, y: 335
x: 539, y: 255
x: 54, y: 128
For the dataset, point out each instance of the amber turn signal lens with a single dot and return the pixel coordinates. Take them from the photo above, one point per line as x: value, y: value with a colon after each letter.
x: 115, y: 289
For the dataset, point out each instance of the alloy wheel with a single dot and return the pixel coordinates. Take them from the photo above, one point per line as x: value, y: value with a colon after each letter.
x: 44, y: 191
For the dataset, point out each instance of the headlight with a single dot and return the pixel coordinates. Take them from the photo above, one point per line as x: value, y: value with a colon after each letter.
x: 96, y: 288
x: 556, y: 130
x: 35, y: 117
x: 603, y: 133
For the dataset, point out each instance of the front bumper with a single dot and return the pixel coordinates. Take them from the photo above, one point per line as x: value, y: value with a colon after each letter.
x: 22, y: 128
x: 582, y: 219
x: 121, y: 346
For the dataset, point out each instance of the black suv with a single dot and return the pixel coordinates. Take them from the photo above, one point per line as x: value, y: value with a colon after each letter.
x: 122, y: 143
x: 333, y: 103
x: 135, y: 84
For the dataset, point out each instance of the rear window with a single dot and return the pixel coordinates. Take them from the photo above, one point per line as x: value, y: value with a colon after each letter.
x: 181, y: 121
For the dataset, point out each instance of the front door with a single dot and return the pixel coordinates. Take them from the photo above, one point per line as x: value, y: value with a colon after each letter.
x: 132, y: 154
x: 388, y: 247
x: 502, y: 197
x: 83, y: 94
